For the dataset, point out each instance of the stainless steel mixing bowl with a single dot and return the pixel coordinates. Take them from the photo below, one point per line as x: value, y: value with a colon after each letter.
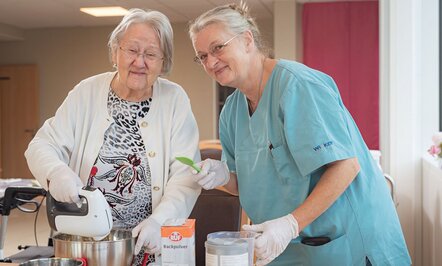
x: 114, y: 250
x: 52, y: 262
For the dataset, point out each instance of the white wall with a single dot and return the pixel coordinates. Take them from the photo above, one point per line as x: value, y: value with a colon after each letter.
x: 409, y: 103
x: 285, y: 38
x: 67, y: 55
x: 431, y: 213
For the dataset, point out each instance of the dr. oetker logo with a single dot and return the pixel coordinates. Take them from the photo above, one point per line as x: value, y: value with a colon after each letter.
x: 175, y: 236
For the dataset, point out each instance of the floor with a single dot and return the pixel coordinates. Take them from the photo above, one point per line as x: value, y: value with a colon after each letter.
x: 20, y: 229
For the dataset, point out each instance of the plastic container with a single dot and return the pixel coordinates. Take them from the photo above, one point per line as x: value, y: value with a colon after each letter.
x: 225, y: 243
x: 226, y: 251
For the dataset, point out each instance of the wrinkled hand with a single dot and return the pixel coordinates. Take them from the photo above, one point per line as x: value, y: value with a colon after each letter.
x: 64, y: 185
x: 149, y: 235
x: 213, y: 174
x: 276, y: 235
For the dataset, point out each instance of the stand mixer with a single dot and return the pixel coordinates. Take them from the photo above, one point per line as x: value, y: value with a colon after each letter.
x: 92, y: 219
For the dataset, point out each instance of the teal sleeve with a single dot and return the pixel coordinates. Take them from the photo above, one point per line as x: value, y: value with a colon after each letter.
x: 227, y: 139
x: 315, y: 125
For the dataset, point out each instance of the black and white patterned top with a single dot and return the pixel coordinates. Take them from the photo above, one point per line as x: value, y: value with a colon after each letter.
x: 121, y: 170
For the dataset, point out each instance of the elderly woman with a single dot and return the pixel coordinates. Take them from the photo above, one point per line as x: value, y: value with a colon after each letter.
x: 293, y: 154
x: 121, y: 131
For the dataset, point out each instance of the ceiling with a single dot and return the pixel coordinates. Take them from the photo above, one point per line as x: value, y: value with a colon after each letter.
x: 16, y: 16
x: 32, y: 14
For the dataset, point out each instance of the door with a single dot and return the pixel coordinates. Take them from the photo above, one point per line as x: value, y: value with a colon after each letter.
x: 18, y: 117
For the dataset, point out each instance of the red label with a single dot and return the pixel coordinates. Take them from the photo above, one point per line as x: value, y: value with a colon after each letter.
x: 175, y: 236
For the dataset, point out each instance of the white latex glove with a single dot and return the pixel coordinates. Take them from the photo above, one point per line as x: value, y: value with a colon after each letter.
x: 149, y: 235
x: 276, y: 235
x: 64, y: 185
x: 213, y: 174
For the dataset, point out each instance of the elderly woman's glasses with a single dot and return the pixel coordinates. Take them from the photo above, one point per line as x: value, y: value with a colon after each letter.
x: 215, y: 50
x: 148, y: 56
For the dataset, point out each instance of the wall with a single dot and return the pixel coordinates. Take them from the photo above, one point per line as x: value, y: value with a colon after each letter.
x: 431, y: 213
x: 285, y: 24
x: 67, y: 55
x: 409, y: 103
x: 342, y: 40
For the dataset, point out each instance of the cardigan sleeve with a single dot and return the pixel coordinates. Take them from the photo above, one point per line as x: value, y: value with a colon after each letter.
x: 52, y: 146
x: 181, y: 191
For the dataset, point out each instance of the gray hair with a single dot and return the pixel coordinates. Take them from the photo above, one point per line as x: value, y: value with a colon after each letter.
x: 235, y: 18
x: 158, y: 21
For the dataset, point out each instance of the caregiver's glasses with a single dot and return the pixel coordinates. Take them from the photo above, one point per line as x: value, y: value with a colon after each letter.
x: 214, y: 50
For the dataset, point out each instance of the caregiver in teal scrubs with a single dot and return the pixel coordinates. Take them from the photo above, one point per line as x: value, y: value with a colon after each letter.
x: 293, y: 153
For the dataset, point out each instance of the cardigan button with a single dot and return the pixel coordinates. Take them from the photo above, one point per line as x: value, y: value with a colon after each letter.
x: 156, y: 188
x: 152, y: 154
x: 144, y: 124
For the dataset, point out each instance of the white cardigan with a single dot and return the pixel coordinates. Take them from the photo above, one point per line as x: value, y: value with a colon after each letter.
x: 74, y: 136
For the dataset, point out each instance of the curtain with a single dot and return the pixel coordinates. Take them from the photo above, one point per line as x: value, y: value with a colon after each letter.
x: 342, y: 40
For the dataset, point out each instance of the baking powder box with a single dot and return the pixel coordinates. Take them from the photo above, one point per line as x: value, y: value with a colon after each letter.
x: 178, y: 242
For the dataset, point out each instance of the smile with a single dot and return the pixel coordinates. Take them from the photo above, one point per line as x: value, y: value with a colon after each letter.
x: 137, y: 73
x: 220, y: 70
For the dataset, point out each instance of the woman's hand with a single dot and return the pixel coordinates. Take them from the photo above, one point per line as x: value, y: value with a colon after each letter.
x: 275, y: 237
x: 64, y: 185
x: 149, y: 235
x: 213, y: 174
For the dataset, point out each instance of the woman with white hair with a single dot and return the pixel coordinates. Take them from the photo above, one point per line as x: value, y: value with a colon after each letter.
x: 293, y: 153
x: 121, y: 131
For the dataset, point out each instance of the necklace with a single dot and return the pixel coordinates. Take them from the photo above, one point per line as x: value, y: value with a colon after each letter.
x: 249, y: 103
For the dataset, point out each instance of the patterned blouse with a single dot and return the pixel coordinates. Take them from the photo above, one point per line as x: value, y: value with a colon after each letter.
x: 121, y: 170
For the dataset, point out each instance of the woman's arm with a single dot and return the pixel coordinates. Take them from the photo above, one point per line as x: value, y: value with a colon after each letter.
x: 333, y: 182
x: 232, y: 186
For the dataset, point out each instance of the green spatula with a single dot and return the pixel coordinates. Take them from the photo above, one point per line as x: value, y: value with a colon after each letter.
x: 189, y: 162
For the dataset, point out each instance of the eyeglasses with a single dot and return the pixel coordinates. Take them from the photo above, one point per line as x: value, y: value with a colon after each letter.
x: 148, y: 56
x: 215, y: 50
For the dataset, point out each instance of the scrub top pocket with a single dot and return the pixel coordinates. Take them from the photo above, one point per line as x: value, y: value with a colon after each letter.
x: 284, y: 163
x: 334, y: 253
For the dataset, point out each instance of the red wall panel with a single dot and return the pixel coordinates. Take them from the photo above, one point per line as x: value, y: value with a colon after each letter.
x: 342, y: 40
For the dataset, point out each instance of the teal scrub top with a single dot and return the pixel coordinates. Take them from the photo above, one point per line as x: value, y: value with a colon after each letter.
x: 279, y: 154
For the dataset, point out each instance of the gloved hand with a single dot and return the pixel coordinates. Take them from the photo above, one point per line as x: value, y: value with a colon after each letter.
x: 213, y: 174
x: 64, y: 185
x: 276, y: 235
x: 149, y: 235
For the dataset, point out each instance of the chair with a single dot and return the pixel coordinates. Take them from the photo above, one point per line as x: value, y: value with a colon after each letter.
x: 392, y: 186
x: 210, y: 149
x: 214, y: 211
x: 390, y: 180
x: 19, y: 197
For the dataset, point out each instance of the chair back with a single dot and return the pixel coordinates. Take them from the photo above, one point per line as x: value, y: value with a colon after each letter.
x: 214, y: 211
x: 210, y: 149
